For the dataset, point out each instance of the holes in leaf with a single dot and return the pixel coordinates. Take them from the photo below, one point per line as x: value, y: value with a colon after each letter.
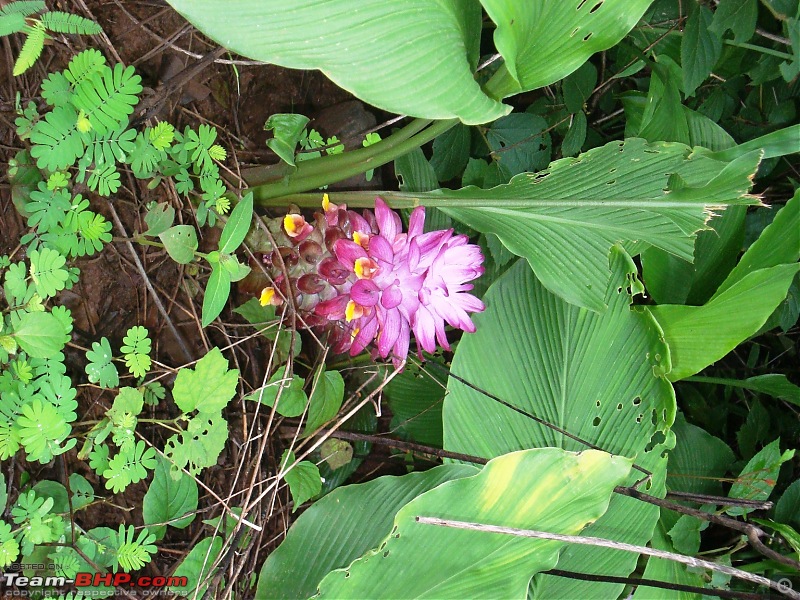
x: 639, y: 418
x: 587, y: 36
x: 596, y: 421
x: 596, y: 7
x: 612, y: 182
x: 657, y: 439
x: 347, y: 574
x: 580, y: 5
x: 597, y: 404
x: 649, y: 484
x: 637, y: 401
x: 574, y: 31
x: 386, y: 554
x: 397, y: 536
x: 619, y: 406
x: 394, y: 530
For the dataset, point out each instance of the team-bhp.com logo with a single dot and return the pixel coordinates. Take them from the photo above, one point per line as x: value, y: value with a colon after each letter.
x: 20, y: 582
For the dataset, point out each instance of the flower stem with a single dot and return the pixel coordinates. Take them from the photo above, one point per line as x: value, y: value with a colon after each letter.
x: 313, y: 174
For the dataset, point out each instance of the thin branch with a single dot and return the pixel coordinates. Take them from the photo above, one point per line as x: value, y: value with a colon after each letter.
x: 691, y: 561
x: 654, y: 583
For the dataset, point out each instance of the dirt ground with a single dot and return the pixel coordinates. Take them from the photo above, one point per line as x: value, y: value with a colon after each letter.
x: 112, y: 296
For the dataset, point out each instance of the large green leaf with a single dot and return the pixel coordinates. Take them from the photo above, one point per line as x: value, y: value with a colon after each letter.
x: 416, y: 57
x: 546, y: 489
x: 597, y: 376
x: 699, y: 460
x: 779, y: 243
x: 565, y: 219
x: 40, y: 334
x: 700, y: 335
x: 340, y: 527
x: 542, y: 41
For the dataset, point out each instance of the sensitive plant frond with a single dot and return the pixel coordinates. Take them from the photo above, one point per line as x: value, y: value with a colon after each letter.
x: 57, y: 143
x: 62, y: 22
x: 162, y: 135
x: 23, y: 7
x: 133, y: 553
x: 31, y: 49
x: 56, y: 89
x: 111, y: 148
x: 104, y: 180
x: 108, y: 97
x: 12, y: 23
x: 84, y: 65
x: 130, y: 465
x: 136, y: 349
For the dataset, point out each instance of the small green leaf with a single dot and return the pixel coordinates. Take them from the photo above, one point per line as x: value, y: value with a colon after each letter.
x: 208, y: 387
x: 326, y: 399
x: 180, y: 242
x: 216, y: 295
x: 169, y: 500
x: 700, y: 49
x: 197, y: 567
x: 81, y: 490
x: 292, y: 400
x: 100, y: 369
x: 40, y: 334
x: 576, y: 135
x: 48, y: 272
x: 237, y: 226
x: 303, y: 479
x: 159, y: 219
x: 759, y: 476
x: 337, y: 453
x: 739, y: 16
x: 287, y: 129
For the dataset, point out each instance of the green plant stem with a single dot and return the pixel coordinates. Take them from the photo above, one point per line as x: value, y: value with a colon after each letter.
x: 313, y: 174
x: 145, y: 242
x: 720, y: 381
x: 744, y: 45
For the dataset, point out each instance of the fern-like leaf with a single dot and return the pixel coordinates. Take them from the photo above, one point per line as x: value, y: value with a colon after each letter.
x: 47, y: 208
x: 23, y: 7
x: 83, y: 65
x: 31, y: 49
x: 136, y: 349
x: 62, y: 22
x: 133, y: 552
x: 48, y: 272
x: 42, y: 430
x: 111, y: 148
x: 9, y: 548
x: 144, y: 156
x: 12, y: 23
x: 56, y: 140
x: 108, y: 97
x: 104, y: 180
x: 94, y: 231
x: 161, y: 135
x: 129, y: 467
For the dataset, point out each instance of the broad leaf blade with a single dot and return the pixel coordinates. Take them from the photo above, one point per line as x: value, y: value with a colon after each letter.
x: 593, y: 375
x: 216, y: 295
x: 543, y: 41
x: 340, y: 527
x: 565, y: 219
x: 415, y: 58
x: 700, y: 335
x: 546, y: 489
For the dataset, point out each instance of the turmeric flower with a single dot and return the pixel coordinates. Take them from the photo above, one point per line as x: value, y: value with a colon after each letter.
x: 405, y: 282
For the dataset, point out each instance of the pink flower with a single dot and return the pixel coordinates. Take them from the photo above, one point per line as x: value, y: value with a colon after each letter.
x: 401, y: 282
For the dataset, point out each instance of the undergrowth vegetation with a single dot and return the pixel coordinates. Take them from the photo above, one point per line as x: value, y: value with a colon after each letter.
x: 576, y: 317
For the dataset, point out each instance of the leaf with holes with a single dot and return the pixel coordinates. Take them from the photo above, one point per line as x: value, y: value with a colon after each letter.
x: 546, y: 489
x: 599, y: 377
x: 180, y: 242
x: 564, y: 220
x: 543, y: 41
x: 759, y: 476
